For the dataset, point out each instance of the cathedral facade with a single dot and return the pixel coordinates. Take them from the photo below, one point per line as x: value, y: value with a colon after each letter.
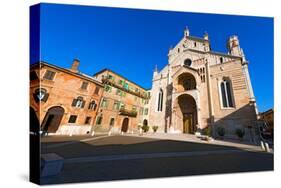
x: 200, y: 88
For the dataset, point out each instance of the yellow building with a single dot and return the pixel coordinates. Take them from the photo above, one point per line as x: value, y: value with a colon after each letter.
x: 123, y: 105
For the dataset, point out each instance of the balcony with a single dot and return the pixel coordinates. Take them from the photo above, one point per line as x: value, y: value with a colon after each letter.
x: 121, y: 87
x: 126, y: 112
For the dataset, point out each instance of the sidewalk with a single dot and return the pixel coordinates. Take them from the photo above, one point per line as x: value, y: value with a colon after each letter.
x: 194, y: 139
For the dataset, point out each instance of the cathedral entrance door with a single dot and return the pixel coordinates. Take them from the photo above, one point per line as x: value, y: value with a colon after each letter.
x: 188, y: 123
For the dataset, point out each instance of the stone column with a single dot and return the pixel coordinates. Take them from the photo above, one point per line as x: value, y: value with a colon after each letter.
x: 249, y: 86
x: 248, y: 81
x: 210, y: 98
x: 197, y: 100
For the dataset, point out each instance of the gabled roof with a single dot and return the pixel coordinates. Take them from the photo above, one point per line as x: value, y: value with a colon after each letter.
x: 197, y: 38
x: 186, y: 67
x: 213, y: 52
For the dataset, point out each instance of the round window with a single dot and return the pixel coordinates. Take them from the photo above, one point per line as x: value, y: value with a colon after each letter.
x: 187, y: 62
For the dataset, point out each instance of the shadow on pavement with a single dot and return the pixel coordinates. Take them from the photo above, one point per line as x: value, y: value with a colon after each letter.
x: 150, y: 168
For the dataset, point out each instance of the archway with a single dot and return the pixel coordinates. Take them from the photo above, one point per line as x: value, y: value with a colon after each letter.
x: 187, y: 113
x: 125, y: 125
x: 186, y: 81
x: 52, y: 119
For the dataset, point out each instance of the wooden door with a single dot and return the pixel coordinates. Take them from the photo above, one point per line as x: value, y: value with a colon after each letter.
x: 125, y: 125
x: 188, y: 123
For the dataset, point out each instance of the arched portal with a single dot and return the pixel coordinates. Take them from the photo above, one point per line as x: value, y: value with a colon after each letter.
x: 125, y: 125
x: 186, y: 112
x: 52, y: 119
x: 186, y: 81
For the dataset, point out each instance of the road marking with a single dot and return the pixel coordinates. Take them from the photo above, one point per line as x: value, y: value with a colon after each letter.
x: 73, y: 142
x: 147, y: 156
x: 94, y: 138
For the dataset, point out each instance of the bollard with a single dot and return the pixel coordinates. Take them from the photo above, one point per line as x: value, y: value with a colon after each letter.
x: 262, y: 146
x: 267, y: 148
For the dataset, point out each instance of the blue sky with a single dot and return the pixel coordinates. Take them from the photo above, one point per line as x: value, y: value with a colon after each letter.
x: 131, y: 42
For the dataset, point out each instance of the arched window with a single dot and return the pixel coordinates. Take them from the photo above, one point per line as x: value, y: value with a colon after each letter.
x: 186, y: 81
x: 92, y: 105
x: 187, y: 62
x: 160, y: 101
x: 226, y: 94
x: 78, y: 102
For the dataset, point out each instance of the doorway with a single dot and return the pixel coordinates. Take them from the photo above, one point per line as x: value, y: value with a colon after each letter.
x: 186, y: 110
x: 145, y: 122
x: 125, y: 125
x: 52, y: 119
x: 188, y: 125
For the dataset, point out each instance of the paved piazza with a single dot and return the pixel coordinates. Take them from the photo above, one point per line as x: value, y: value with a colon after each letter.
x: 118, y: 157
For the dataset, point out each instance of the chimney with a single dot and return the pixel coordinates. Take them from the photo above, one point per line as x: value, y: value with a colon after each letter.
x: 75, y: 65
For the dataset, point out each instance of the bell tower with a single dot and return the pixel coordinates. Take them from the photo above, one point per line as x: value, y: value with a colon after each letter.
x: 234, y: 47
x: 186, y: 32
x: 155, y: 72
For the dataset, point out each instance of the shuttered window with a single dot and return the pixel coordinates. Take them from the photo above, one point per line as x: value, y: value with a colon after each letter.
x: 99, y: 120
x: 104, y: 103
x: 97, y: 89
x: 88, y: 120
x: 146, y: 111
x: 49, y: 75
x: 92, y: 105
x: 78, y: 102
x: 84, y: 85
